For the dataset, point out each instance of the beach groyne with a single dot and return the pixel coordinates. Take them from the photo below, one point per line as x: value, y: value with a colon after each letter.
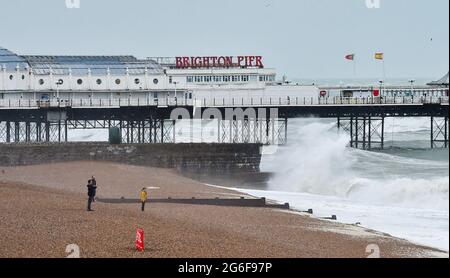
x: 195, y: 158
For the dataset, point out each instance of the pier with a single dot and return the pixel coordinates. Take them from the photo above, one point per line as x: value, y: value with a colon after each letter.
x: 249, y: 120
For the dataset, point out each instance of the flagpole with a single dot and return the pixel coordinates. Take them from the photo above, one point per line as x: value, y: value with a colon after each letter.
x: 354, y: 68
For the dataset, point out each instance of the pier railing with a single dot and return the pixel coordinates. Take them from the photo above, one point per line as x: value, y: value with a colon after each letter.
x: 218, y: 102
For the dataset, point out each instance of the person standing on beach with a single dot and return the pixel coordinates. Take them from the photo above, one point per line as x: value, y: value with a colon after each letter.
x: 92, y: 191
x: 94, y: 183
x: 144, y: 196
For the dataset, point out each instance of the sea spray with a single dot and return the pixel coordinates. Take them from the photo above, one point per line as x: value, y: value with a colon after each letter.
x: 319, y: 161
x: 316, y: 162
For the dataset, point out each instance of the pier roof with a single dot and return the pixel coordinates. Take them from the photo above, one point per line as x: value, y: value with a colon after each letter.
x: 80, y: 65
x: 444, y: 81
x: 10, y: 60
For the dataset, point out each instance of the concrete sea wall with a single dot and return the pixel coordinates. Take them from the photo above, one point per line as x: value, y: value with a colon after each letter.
x: 196, y: 158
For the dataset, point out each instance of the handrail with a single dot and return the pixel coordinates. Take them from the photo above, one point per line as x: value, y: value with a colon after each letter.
x: 219, y: 102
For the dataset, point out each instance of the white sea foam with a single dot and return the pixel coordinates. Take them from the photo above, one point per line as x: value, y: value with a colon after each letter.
x: 404, y: 196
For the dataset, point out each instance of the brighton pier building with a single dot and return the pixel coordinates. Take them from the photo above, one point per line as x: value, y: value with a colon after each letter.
x: 44, y: 78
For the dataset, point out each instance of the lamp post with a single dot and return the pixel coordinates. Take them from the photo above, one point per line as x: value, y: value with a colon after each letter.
x: 412, y: 86
x: 175, y: 83
x: 59, y: 83
x: 381, y: 84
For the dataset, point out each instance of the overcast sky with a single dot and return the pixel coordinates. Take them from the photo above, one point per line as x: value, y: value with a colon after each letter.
x: 301, y: 38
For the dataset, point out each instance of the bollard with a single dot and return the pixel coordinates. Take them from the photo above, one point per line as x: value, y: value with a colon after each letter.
x: 139, y: 240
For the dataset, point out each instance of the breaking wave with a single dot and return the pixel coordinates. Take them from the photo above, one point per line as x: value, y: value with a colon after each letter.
x: 319, y: 161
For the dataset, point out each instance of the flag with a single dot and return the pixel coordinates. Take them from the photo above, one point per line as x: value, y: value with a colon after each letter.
x: 350, y: 57
x: 140, y: 239
x: 379, y: 56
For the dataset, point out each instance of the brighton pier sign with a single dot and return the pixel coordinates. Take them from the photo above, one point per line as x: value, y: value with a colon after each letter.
x: 220, y: 62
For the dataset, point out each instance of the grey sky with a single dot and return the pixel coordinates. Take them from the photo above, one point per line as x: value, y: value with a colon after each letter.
x: 301, y: 38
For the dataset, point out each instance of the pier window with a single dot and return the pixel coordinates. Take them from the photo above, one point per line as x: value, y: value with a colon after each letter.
x: 11, y: 77
x: 190, y: 79
x: 41, y: 82
x: 79, y: 81
x: 226, y: 78
x: 266, y: 78
x: 217, y: 79
x: 99, y: 82
x: 118, y: 81
x: 137, y: 81
x: 155, y: 81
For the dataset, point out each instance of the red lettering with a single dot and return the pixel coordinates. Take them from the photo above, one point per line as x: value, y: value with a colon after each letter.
x: 179, y: 63
x: 228, y: 62
x: 206, y: 62
x: 185, y: 62
x: 241, y: 59
x: 197, y: 62
x: 222, y: 61
x: 259, y: 62
x: 214, y: 61
x: 251, y: 61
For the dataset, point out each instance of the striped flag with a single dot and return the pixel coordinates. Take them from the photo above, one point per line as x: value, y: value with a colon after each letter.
x: 379, y: 56
x: 350, y: 57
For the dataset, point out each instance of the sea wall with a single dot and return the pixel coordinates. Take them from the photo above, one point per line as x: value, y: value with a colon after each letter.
x: 195, y: 158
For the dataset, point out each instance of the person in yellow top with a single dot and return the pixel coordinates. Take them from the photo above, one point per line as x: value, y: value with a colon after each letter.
x: 144, y: 196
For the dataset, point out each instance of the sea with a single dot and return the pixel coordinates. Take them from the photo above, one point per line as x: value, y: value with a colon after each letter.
x: 402, y: 190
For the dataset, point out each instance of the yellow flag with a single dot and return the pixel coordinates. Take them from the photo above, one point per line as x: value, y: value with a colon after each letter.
x: 379, y: 56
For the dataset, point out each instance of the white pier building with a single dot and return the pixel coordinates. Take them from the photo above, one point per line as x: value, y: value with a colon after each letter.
x: 45, y: 78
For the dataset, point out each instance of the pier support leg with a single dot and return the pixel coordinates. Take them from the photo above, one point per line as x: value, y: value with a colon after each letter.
x: 439, y: 132
x: 365, y: 133
x: 16, y: 132
x: 8, y: 132
x: 27, y: 132
x: 66, y: 133
x: 47, y: 132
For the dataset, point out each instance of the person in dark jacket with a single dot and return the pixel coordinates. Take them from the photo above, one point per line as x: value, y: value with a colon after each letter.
x: 94, y: 183
x: 92, y: 191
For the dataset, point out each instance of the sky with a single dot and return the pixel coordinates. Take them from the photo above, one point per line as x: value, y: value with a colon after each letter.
x: 301, y: 38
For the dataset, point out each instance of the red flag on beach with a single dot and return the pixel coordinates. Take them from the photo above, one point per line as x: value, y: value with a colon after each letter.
x: 140, y: 239
x: 350, y: 57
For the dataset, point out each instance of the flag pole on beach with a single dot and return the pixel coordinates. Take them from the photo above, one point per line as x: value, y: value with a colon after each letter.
x: 351, y: 57
x: 380, y: 56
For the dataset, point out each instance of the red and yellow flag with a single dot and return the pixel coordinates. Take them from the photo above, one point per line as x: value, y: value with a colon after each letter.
x: 379, y: 56
x: 350, y: 57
